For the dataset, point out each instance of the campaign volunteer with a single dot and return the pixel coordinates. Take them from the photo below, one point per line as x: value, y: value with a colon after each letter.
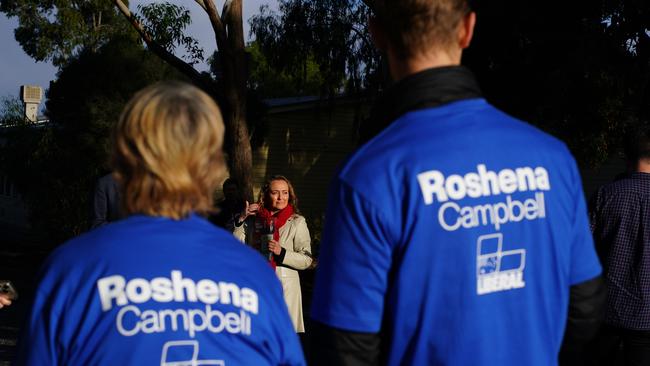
x: 163, y: 286
x: 456, y: 235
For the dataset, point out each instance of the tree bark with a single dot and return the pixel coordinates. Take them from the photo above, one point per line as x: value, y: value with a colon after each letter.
x: 233, y: 60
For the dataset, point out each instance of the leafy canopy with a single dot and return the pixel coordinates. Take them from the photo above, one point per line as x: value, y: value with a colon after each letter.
x: 58, y: 30
x: 329, y: 33
x: 167, y: 23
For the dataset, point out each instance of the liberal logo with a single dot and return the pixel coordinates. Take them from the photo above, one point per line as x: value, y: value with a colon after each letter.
x: 498, y: 269
x: 184, y: 353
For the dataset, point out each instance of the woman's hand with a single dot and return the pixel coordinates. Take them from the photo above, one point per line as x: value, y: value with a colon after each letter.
x: 275, y: 247
x: 249, y: 210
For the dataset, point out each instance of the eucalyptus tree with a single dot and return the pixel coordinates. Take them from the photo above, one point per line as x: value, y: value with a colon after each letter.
x: 331, y: 34
x: 56, y: 31
x: 230, y: 89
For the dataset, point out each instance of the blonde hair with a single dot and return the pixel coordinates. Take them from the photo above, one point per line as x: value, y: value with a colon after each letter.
x: 167, y: 153
x: 265, y: 192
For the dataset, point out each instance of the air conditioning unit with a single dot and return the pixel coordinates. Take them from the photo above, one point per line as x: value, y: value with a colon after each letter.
x: 31, y: 96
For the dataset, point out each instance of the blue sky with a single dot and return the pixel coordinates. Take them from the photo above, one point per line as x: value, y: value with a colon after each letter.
x: 18, y: 69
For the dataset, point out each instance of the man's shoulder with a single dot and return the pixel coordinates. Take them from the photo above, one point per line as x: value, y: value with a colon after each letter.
x: 626, y: 185
x: 501, y: 126
x: 139, y: 234
x: 449, y: 135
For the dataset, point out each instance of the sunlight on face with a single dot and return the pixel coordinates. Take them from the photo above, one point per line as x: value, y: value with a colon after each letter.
x: 279, y: 193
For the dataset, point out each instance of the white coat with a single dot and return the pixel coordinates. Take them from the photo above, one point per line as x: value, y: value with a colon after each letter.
x: 295, y: 239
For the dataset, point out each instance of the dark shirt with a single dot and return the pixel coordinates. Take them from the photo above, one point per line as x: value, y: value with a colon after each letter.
x: 106, y: 202
x: 620, y: 222
x: 226, y: 214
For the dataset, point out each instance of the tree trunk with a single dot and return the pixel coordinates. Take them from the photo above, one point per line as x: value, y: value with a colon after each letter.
x: 241, y: 157
x: 233, y: 59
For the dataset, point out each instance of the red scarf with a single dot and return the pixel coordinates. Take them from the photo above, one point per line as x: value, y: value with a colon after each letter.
x: 279, y: 219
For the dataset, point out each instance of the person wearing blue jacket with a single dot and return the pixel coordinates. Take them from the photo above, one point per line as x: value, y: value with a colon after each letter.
x: 458, y: 235
x: 163, y: 286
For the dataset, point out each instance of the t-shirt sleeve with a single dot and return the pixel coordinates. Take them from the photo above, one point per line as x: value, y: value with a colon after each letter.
x: 584, y: 261
x: 354, y: 261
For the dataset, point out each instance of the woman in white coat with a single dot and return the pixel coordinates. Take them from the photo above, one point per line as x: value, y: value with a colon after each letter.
x: 280, y: 233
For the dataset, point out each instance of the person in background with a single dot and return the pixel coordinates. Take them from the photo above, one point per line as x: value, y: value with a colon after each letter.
x: 162, y: 286
x: 230, y: 207
x: 8, y: 293
x: 281, y: 234
x: 5, y: 300
x: 620, y: 222
x: 459, y: 234
x: 106, y: 202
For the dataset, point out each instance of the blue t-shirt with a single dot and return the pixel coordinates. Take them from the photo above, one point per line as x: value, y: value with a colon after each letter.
x: 154, y: 291
x: 458, y: 231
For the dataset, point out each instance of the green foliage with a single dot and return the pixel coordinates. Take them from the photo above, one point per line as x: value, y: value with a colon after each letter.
x: 272, y: 83
x: 58, y: 30
x: 11, y: 111
x: 167, y: 22
x: 256, y: 109
x: 329, y: 33
x: 55, y: 166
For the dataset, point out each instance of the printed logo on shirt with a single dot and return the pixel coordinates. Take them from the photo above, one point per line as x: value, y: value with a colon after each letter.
x: 446, y: 190
x: 131, y: 319
x: 180, y: 353
x: 498, y: 269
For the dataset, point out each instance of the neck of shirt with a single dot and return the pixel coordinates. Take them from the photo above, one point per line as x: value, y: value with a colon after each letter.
x: 425, y: 89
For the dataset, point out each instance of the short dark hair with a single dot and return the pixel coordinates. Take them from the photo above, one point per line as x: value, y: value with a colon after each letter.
x: 637, y: 142
x: 414, y: 26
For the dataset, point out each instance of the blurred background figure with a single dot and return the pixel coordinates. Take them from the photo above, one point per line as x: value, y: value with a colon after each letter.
x: 7, y: 293
x: 4, y: 301
x: 230, y: 206
x: 106, y: 202
x: 620, y: 222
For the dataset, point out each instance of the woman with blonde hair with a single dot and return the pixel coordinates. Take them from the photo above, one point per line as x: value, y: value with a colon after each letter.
x: 163, y: 285
x: 281, y: 234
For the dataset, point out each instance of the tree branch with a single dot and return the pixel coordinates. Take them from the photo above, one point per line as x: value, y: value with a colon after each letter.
x: 217, y: 24
x: 362, y: 35
x: 370, y: 4
x: 202, y: 4
x: 233, y: 14
x: 225, y: 12
x: 162, y: 52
